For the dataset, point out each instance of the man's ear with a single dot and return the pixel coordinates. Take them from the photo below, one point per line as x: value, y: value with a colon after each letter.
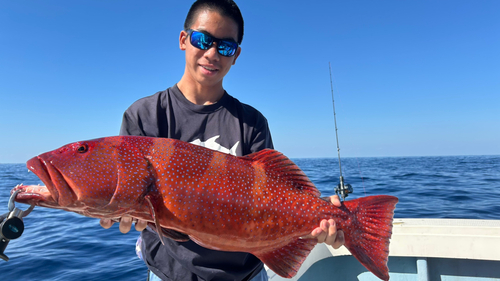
x: 237, y: 54
x: 182, y: 40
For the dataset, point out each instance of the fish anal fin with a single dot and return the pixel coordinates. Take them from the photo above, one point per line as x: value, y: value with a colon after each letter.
x: 287, y: 260
x: 274, y: 162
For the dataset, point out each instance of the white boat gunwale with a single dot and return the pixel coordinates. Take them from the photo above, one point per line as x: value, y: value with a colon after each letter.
x: 420, y: 249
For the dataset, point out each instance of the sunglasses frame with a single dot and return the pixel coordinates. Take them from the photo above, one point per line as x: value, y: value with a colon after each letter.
x: 214, y: 40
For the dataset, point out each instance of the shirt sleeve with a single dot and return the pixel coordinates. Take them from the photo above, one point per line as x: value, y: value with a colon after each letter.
x: 262, y: 136
x: 130, y: 126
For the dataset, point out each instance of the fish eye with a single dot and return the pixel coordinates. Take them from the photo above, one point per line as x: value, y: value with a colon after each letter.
x: 82, y: 148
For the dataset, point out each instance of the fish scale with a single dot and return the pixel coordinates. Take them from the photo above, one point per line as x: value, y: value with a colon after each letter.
x: 233, y: 174
x: 261, y: 203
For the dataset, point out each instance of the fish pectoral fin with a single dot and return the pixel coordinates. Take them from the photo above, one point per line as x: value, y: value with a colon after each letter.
x: 172, y: 234
x: 154, y: 214
x: 163, y: 232
x: 287, y: 260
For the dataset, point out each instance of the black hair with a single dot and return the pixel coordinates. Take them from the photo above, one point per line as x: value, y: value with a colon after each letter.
x: 226, y: 8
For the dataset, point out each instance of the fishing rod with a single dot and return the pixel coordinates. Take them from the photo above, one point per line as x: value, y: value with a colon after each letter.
x: 342, y: 190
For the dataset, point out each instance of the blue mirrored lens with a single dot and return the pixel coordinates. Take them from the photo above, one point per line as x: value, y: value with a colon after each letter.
x: 227, y: 48
x: 204, y: 42
x: 201, y: 40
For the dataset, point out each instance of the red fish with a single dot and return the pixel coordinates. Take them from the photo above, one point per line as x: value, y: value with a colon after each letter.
x: 261, y: 203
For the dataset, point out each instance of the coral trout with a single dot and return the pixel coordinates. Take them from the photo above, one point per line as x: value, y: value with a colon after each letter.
x: 261, y: 203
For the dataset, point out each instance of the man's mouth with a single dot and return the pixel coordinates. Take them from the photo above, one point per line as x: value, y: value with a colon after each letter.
x: 211, y: 69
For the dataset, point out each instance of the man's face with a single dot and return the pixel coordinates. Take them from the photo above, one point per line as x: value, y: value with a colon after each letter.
x: 208, y: 67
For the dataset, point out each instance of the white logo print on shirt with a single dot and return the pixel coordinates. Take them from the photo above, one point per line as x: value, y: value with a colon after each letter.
x: 210, y: 143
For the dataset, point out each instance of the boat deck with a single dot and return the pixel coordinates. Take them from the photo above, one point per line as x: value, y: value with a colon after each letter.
x: 420, y: 250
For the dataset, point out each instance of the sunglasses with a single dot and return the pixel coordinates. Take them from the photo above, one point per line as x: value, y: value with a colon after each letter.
x: 204, y: 41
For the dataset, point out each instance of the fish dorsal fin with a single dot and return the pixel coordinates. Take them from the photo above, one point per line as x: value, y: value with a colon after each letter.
x: 277, y: 164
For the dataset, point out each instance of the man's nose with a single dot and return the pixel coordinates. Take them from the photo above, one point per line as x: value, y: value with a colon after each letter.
x: 212, y: 52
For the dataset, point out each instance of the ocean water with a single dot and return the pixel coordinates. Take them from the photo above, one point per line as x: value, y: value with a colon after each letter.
x: 58, y: 245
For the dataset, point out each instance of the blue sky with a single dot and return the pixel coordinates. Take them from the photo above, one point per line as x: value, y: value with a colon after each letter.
x: 412, y: 78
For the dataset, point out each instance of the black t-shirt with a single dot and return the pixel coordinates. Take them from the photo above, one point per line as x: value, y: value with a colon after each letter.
x: 228, y: 126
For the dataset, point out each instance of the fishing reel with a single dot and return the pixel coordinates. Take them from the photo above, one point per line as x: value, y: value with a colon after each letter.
x: 343, y: 190
x: 11, y: 224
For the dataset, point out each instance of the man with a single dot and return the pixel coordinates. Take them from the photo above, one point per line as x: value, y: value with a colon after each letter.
x: 197, y: 109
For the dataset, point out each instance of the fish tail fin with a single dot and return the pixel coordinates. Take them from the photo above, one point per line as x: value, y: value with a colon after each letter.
x: 368, y: 233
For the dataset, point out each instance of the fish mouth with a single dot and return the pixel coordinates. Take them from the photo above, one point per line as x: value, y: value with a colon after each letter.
x: 56, y: 190
x: 38, y: 195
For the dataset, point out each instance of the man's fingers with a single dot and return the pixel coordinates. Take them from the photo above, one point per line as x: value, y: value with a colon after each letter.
x: 332, y: 232
x: 335, y: 200
x: 125, y: 224
x: 140, y: 225
x: 339, y: 241
x: 322, y: 231
x: 334, y: 238
x: 327, y: 233
x: 106, y: 223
